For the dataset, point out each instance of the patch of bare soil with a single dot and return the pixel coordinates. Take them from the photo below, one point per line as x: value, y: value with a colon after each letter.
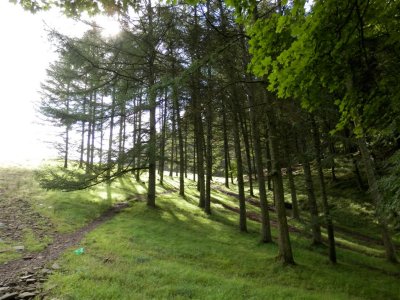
x: 23, y: 278
x: 17, y: 216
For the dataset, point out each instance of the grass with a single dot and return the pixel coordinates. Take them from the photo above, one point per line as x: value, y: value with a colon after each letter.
x: 49, y: 211
x: 178, y: 252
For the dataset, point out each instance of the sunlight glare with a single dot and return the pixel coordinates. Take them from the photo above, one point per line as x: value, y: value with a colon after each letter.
x: 24, y: 56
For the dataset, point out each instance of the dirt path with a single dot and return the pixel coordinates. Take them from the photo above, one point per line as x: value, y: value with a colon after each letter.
x: 24, y: 276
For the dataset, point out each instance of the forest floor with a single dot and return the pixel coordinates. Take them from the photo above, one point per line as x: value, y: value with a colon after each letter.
x: 175, y: 251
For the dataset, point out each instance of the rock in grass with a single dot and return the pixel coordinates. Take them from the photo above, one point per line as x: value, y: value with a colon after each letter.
x: 46, y: 271
x: 19, y: 248
x: 55, y: 266
x: 26, y: 295
x: 8, y: 296
x: 30, y: 280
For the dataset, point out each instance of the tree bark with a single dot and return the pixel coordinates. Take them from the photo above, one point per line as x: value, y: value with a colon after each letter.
x: 328, y: 217
x: 110, y: 138
x: 377, y: 198
x: 151, y: 94
x: 162, y: 140
x: 266, y: 236
x: 292, y: 185
x: 312, y: 202
x: 67, y: 129
x: 226, y: 146
x: 239, y: 162
x: 247, y: 151
x: 285, y: 248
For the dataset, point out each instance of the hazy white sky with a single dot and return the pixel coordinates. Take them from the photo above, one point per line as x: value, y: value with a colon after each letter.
x: 24, y: 56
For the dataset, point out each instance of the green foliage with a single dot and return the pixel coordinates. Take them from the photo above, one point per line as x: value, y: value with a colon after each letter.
x: 59, y: 178
x: 348, y: 55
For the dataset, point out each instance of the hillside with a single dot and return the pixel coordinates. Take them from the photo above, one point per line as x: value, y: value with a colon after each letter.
x: 176, y: 251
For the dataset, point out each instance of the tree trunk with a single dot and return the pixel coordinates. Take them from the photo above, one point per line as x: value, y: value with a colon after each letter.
x: 328, y: 217
x: 110, y: 139
x: 198, y: 122
x: 171, y: 162
x: 121, y: 137
x: 88, y: 139
x: 245, y: 134
x: 377, y: 198
x: 207, y: 207
x: 67, y: 133
x: 83, y: 135
x: 101, y: 132
x: 175, y: 97
x: 285, y: 248
x: 226, y: 146
x: 269, y: 168
x: 93, y: 129
x: 292, y: 185
x: 239, y: 162
x: 312, y: 202
x: 138, y: 146
x: 266, y: 236
x: 186, y: 148
x: 162, y: 140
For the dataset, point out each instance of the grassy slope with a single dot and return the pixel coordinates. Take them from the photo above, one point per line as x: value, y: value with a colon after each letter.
x: 178, y: 252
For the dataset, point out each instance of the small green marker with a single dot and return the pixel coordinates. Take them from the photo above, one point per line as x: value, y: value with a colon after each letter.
x: 79, y: 251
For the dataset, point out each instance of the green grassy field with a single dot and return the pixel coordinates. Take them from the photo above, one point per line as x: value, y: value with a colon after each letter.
x: 178, y: 252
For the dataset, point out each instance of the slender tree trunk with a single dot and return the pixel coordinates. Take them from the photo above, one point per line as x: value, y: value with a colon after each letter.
x: 377, y: 198
x: 266, y: 236
x: 171, y: 163
x: 285, y: 248
x: 121, y: 138
x: 360, y: 182
x: 328, y: 217
x: 312, y: 202
x: 207, y: 208
x: 186, y: 148
x: 226, y: 145
x: 67, y: 129
x: 292, y: 185
x: 101, y: 132
x: 194, y: 159
x: 93, y: 129
x: 162, y: 141
x: 88, y: 139
x: 245, y: 134
x: 83, y: 135
x: 269, y: 167
x: 110, y: 138
x: 198, y: 123
x: 180, y: 141
x: 239, y: 162
x: 138, y: 146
